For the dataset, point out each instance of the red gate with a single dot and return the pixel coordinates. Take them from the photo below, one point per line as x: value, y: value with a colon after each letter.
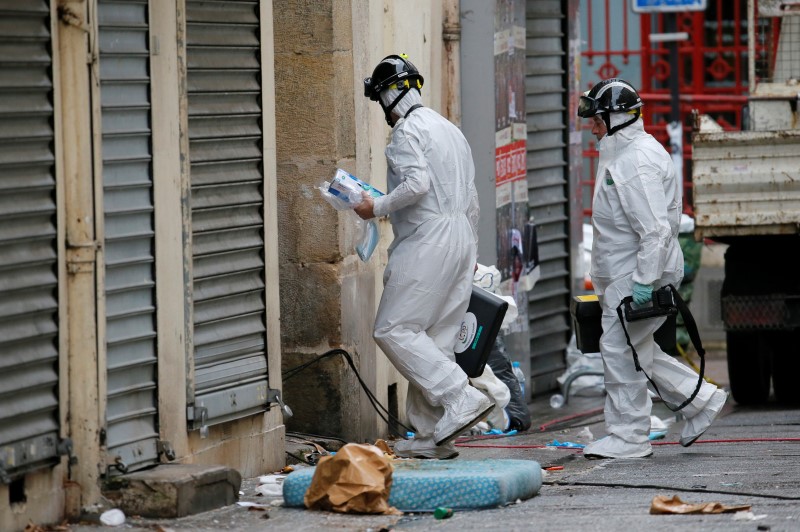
x: 712, y: 69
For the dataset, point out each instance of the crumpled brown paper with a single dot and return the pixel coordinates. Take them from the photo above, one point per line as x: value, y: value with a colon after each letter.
x: 673, y: 505
x: 357, y: 479
x: 383, y: 446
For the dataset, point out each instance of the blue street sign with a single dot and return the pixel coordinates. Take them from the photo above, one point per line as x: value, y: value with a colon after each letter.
x: 661, y: 6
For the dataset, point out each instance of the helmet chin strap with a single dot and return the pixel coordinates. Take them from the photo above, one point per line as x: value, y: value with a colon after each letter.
x: 611, y: 130
x: 387, y: 110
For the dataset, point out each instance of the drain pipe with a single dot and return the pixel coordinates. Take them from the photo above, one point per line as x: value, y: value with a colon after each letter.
x: 451, y: 35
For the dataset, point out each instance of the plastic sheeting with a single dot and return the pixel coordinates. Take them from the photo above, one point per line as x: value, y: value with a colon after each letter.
x: 517, y: 408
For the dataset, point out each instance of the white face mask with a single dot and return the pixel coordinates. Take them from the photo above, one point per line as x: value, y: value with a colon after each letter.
x: 619, y: 118
x: 410, y: 99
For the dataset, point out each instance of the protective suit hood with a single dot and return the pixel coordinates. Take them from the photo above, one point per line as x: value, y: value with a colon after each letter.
x: 410, y: 99
x: 610, y: 145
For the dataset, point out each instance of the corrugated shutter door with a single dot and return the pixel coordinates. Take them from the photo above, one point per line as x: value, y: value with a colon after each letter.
x: 29, y: 421
x: 548, y: 184
x: 131, y: 416
x: 224, y: 74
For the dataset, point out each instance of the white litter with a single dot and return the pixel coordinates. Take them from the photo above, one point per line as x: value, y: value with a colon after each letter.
x: 747, y: 516
x: 112, y: 517
x: 271, y: 479
x: 246, y: 504
x: 584, y: 436
x: 270, y: 485
x: 270, y: 490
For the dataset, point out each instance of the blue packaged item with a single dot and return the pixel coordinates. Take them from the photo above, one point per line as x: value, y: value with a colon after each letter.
x: 348, y: 188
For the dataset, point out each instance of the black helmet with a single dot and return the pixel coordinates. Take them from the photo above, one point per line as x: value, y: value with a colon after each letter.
x: 610, y: 96
x: 394, y: 71
x: 391, y: 70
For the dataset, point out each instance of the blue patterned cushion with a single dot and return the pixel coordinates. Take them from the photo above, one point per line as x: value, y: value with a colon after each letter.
x: 423, y: 485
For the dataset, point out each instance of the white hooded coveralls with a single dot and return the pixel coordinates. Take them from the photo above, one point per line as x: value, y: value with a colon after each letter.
x: 636, y: 213
x: 433, y: 206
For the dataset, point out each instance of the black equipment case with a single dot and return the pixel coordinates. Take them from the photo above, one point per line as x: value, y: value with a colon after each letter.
x: 479, y: 330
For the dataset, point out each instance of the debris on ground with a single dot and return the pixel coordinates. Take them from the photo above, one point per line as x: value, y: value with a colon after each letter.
x: 33, y: 527
x: 747, y: 516
x: 584, y: 436
x: 442, y: 513
x: 357, y: 479
x: 662, y: 504
x: 252, y: 506
x: 383, y: 446
x: 113, y: 517
x: 270, y: 485
x: 565, y: 444
x: 308, y: 449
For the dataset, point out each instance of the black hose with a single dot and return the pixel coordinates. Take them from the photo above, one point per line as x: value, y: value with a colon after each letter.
x: 390, y: 420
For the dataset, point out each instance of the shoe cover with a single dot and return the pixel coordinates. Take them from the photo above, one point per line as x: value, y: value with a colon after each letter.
x: 613, y: 446
x: 497, y: 391
x: 424, y: 448
x: 469, y: 407
x: 696, y: 425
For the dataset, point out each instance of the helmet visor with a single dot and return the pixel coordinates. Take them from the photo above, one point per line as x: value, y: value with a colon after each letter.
x: 587, y: 107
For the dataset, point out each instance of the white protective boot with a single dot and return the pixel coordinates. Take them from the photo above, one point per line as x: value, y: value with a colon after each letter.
x: 461, y: 413
x: 424, y: 448
x: 696, y: 425
x: 612, y: 446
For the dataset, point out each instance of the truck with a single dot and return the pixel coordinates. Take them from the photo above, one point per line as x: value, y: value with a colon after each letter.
x: 746, y: 194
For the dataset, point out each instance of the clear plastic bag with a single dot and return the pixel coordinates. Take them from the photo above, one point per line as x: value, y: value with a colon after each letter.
x: 368, y: 238
x: 343, y: 192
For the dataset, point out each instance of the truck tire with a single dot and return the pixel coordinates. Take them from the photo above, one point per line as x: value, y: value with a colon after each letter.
x: 749, y: 367
x: 786, y: 367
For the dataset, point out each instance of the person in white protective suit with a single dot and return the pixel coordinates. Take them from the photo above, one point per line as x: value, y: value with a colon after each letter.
x: 433, y: 207
x: 636, y: 212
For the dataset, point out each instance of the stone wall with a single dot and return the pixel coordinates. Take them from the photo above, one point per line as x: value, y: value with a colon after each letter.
x: 323, y: 50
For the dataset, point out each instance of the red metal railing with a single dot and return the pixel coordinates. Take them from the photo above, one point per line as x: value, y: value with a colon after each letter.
x: 712, y: 71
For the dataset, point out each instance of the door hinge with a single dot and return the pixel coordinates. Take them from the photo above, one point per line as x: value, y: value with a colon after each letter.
x: 165, y: 448
x: 197, y: 416
x: 274, y: 396
x: 64, y: 448
x: 110, y: 462
x: 81, y: 256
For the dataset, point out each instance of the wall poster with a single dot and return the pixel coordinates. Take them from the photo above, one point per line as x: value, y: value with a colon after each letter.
x: 511, y: 153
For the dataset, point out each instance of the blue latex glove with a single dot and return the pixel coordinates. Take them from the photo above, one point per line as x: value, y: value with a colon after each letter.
x: 642, y: 293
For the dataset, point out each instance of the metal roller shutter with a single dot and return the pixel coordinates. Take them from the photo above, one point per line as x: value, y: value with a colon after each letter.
x: 224, y: 73
x: 29, y: 420
x: 131, y: 415
x: 548, y: 185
